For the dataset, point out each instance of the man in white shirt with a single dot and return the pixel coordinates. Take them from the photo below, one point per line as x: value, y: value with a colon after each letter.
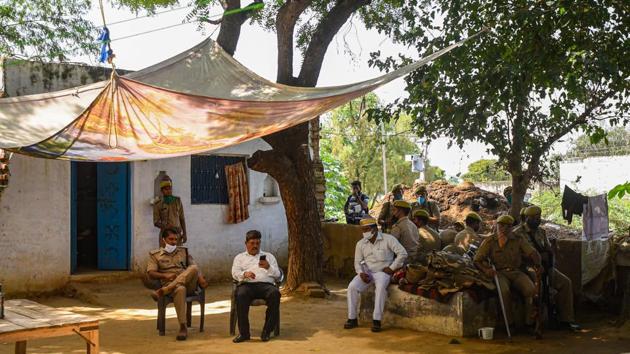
x: 376, y: 257
x: 256, y: 272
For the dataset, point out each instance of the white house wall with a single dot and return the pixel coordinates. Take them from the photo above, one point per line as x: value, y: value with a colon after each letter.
x: 35, y: 226
x: 595, y: 174
x: 211, y: 241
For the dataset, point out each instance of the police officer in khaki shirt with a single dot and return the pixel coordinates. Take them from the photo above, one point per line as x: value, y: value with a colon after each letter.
x: 168, y: 212
x: 386, y: 216
x: 178, y: 274
x: 506, y: 251
x: 531, y: 232
x: 429, y: 238
x: 468, y: 235
x: 404, y: 229
x: 423, y: 203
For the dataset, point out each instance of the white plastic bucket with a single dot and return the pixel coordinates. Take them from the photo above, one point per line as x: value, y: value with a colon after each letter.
x: 486, y: 333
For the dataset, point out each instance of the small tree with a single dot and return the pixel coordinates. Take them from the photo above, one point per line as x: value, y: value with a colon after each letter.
x: 46, y: 30
x: 543, y: 70
x: 485, y: 170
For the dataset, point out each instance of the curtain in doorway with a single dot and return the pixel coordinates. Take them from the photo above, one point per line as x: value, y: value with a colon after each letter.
x: 238, y: 193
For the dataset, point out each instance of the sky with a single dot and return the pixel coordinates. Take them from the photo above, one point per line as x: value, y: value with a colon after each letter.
x: 257, y: 51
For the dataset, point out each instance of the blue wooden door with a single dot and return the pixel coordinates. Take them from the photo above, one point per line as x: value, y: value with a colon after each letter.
x: 113, y: 215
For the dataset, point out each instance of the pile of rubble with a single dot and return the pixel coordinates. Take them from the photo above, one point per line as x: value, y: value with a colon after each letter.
x: 455, y: 201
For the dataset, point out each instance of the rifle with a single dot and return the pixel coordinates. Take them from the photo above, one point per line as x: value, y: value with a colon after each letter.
x: 538, y: 306
x: 496, y: 281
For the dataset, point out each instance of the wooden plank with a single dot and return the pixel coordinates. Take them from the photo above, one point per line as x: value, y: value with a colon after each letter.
x: 25, y: 321
x: 20, y: 347
x: 38, y: 333
x: 7, y: 326
x: 52, y: 315
x: 93, y: 345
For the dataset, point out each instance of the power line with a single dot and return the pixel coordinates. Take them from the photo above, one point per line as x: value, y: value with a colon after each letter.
x: 151, y: 31
x: 148, y: 15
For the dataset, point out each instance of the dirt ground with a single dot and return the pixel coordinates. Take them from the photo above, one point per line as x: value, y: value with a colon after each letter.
x: 308, y: 325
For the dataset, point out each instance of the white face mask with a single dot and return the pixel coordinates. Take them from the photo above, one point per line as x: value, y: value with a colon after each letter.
x: 367, y: 235
x: 170, y: 249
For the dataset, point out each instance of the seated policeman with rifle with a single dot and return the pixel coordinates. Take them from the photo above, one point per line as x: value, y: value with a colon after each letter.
x: 551, y: 277
x: 500, y: 256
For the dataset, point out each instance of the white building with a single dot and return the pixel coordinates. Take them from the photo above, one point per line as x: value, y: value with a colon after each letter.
x: 58, y: 218
x: 596, y: 175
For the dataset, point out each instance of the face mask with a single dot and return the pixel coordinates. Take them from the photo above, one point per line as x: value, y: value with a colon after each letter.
x: 170, y: 249
x: 533, y: 224
x: 509, y: 199
x: 397, y: 196
x: 421, y: 200
x: 367, y: 235
x: 168, y: 199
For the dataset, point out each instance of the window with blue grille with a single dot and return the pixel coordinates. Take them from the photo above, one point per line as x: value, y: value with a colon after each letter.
x: 208, y: 183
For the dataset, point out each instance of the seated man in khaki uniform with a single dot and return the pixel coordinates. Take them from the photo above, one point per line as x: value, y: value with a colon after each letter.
x: 386, y: 216
x: 178, y: 274
x: 423, y: 203
x: 531, y: 232
x: 468, y: 235
x: 447, y: 236
x: 429, y: 238
x: 506, y: 251
x: 404, y: 229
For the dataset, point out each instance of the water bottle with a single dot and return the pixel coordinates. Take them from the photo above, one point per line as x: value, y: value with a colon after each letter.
x: 1, y: 302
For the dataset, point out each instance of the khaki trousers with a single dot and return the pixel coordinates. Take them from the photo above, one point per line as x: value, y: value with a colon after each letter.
x: 564, y: 297
x: 185, y: 283
x: 515, y: 279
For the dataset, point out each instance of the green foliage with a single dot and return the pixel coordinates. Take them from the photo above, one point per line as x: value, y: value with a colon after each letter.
x: 336, y: 183
x: 619, y: 191
x: 550, y: 203
x: 613, y: 142
x: 434, y: 173
x: 356, y: 143
x: 47, y: 30
x: 543, y: 69
x: 485, y: 171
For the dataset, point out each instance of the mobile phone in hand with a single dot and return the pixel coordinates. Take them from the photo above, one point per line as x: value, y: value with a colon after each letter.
x: 263, y: 257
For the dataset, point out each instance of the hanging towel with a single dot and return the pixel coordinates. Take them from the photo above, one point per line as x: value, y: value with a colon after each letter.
x: 572, y: 203
x: 238, y: 193
x: 595, y: 218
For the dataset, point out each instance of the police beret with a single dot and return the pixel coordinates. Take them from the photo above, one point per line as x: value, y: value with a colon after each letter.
x: 421, y: 190
x: 166, y: 183
x: 397, y: 188
x: 473, y: 215
x: 505, y: 219
x: 421, y: 213
x: 533, y: 210
x: 402, y: 204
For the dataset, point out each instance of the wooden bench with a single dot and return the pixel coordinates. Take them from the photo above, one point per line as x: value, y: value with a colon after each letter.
x: 25, y: 320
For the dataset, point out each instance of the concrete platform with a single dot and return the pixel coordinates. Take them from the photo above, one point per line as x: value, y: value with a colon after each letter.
x: 462, y: 316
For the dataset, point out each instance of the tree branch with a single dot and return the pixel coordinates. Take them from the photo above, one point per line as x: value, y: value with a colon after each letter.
x: 230, y: 30
x: 271, y: 162
x: 323, y: 35
x: 288, y: 14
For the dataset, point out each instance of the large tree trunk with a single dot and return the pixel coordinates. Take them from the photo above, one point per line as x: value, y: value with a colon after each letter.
x: 290, y: 164
x: 520, y: 183
x: 289, y: 161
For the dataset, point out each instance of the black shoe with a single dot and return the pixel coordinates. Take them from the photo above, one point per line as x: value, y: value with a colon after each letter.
x: 265, y: 336
x: 376, y: 326
x: 351, y: 324
x: 240, y: 339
